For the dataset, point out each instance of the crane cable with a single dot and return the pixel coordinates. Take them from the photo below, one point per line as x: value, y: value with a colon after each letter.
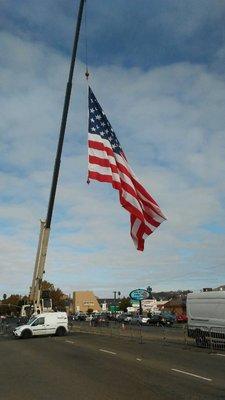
x: 86, y: 41
x: 86, y: 71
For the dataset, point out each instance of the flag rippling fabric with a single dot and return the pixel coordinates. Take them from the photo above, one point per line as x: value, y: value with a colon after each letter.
x: 107, y: 163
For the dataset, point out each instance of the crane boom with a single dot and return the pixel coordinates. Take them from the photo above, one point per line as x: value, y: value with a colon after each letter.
x: 35, y: 290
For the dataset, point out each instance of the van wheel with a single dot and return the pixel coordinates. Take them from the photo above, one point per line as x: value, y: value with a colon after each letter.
x: 26, y: 334
x: 61, y: 331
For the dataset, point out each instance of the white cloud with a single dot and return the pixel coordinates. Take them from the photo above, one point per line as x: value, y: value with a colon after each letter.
x: 170, y: 121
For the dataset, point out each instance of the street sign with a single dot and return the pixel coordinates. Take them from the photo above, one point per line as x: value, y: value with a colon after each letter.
x: 139, y: 294
x: 113, y: 308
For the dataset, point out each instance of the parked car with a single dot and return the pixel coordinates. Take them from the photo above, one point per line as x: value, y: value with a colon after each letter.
x: 181, y: 318
x: 89, y: 317
x: 125, y: 317
x: 144, y: 320
x: 99, y: 320
x: 155, y: 319
x: 71, y: 317
x: 168, y: 318
x: 80, y: 317
x: 136, y: 320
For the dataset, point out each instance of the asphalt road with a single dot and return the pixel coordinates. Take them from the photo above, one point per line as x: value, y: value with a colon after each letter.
x: 90, y: 367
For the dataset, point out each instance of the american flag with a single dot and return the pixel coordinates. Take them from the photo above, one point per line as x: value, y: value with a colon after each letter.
x: 108, y: 163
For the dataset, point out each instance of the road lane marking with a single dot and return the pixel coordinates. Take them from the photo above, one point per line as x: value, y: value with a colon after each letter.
x: 69, y: 341
x: 189, y: 373
x: 138, y: 359
x: 107, y: 351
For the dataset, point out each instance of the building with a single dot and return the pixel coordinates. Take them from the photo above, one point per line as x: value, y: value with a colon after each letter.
x: 221, y: 287
x: 177, y: 306
x: 84, y: 300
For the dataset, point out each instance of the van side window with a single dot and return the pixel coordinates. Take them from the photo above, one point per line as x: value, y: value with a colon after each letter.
x: 39, y: 321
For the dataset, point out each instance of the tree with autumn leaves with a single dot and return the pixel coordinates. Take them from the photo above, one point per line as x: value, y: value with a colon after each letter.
x: 58, y: 297
x: 13, y: 303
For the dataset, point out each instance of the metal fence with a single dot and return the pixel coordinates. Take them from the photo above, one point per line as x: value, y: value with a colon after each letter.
x: 140, y: 334
x: 210, y: 338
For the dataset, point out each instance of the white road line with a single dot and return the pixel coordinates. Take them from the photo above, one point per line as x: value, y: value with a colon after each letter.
x: 107, y: 351
x: 69, y: 341
x: 138, y: 359
x: 218, y: 354
x: 188, y: 373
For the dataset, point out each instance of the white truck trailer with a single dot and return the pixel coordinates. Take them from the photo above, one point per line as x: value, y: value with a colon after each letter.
x: 206, y: 316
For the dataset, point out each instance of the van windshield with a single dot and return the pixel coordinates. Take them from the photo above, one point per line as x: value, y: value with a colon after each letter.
x: 31, y: 320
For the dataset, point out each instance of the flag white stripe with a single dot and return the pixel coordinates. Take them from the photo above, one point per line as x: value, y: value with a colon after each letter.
x: 161, y: 216
x: 132, y: 200
x: 152, y: 227
x: 153, y: 214
x: 104, y: 171
x: 121, y: 160
x: 101, y: 154
x: 135, y: 227
x: 122, y: 177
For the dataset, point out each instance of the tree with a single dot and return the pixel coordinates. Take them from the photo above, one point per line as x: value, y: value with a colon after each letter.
x: 11, y: 304
x: 47, y: 286
x: 13, y: 299
x: 90, y: 311
x: 4, y: 296
x: 57, y: 296
x: 124, y: 303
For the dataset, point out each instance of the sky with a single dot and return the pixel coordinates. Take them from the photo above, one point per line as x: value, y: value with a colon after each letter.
x: 157, y: 69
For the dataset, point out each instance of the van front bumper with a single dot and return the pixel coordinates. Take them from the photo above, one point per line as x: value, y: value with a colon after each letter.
x: 16, y: 333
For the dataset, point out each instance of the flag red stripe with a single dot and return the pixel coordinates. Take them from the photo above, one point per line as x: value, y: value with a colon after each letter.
x: 143, y: 191
x: 100, y: 146
x: 107, y: 178
x: 151, y: 220
x: 104, y: 178
x: 103, y: 162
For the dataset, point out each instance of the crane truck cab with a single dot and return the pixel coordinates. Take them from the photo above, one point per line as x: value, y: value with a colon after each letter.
x: 50, y: 323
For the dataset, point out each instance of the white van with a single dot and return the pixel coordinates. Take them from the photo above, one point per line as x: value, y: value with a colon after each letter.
x: 206, y: 314
x: 51, y: 323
